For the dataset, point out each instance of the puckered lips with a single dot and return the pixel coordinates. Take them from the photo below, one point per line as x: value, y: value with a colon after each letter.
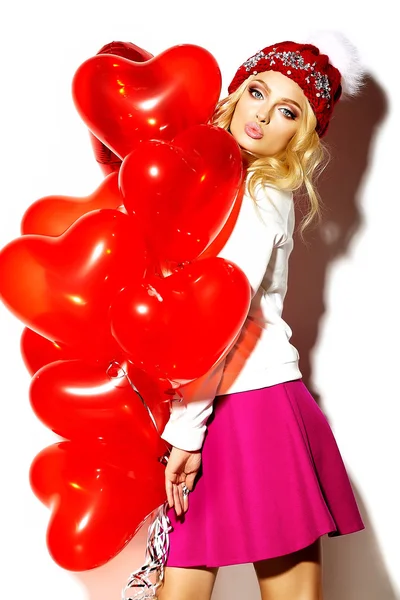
x: 254, y: 130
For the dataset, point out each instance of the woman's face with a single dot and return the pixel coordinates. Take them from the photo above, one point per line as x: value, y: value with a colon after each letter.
x: 268, y: 113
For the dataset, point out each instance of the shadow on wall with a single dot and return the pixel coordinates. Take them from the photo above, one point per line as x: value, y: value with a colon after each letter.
x: 349, y: 140
x: 353, y: 565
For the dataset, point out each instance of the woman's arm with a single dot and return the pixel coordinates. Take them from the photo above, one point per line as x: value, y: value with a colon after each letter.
x: 250, y: 247
x: 257, y: 230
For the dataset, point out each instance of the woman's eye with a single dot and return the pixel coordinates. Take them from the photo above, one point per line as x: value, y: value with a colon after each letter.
x: 288, y: 113
x: 256, y: 93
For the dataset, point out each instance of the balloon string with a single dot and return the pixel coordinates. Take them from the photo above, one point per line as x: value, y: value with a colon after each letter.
x: 150, y: 576
x: 133, y: 386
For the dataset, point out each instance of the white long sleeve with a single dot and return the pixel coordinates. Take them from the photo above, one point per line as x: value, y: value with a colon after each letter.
x: 260, y: 230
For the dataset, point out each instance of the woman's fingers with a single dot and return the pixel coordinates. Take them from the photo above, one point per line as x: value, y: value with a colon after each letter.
x: 190, y: 480
x: 181, y: 497
x: 185, y: 501
x: 170, y: 492
x: 178, y: 503
x: 175, y: 496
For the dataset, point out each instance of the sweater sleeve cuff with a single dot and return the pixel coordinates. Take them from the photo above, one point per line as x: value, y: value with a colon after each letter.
x: 183, y: 437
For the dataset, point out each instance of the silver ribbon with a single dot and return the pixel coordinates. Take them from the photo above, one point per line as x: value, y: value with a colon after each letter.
x: 143, y: 583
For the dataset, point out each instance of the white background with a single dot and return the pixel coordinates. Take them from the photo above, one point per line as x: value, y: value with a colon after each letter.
x: 343, y: 298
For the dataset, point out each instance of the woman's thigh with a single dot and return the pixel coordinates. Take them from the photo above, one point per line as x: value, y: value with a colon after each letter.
x: 187, y: 584
x: 296, y: 576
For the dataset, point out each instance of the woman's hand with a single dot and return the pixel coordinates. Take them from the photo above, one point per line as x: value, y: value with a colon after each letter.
x: 182, y: 467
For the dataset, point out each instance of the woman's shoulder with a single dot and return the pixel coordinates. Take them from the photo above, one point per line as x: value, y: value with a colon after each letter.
x: 268, y: 194
x: 274, y: 204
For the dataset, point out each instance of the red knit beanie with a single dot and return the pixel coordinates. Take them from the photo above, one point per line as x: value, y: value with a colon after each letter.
x: 320, y: 81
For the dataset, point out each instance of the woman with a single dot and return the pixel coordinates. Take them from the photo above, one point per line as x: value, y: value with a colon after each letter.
x: 267, y: 476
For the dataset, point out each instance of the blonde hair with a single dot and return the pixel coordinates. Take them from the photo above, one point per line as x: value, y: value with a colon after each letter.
x: 296, y: 168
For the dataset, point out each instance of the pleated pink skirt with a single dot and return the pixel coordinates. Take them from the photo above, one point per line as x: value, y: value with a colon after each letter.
x: 272, y: 482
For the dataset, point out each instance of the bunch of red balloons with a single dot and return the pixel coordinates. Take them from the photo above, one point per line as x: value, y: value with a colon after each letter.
x: 122, y: 296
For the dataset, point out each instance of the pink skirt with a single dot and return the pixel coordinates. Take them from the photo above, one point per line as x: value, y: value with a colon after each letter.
x: 272, y: 482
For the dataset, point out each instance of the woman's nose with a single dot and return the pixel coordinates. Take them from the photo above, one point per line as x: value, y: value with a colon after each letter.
x: 263, y: 117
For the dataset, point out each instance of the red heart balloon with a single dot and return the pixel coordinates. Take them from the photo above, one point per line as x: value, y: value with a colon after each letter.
x: 80, y: 401
x: 180, y: 326
x: 108, y: 161
x: 52, y: 215
x: 183, y: 191
x: 126, y: 50
x: 223, y: 236
x: 37, y: 351
x: 62, y: 287
x: 123, y: 102
x: 98, y: 494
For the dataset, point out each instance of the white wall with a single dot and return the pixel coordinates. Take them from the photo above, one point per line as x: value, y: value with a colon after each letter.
x: 343, y: 291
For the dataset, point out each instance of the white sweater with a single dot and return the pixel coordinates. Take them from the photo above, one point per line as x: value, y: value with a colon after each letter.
x: 260, y: 244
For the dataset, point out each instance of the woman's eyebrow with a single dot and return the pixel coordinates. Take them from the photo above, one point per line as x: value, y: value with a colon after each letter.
x: 289, y: 100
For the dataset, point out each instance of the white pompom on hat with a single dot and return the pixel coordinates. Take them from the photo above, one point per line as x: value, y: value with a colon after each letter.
x: 343, y: 55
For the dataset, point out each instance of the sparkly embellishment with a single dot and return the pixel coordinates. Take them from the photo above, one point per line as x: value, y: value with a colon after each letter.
x: 255, y: 72
x: 253, y: 60
x: 322, y: 84
x: 295, y: 61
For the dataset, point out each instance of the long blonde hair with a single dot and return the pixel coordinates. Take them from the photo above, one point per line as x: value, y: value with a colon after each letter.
x: 296, y: 168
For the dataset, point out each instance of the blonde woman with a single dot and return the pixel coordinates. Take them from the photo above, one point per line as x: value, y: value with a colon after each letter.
x: 255, y: 474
